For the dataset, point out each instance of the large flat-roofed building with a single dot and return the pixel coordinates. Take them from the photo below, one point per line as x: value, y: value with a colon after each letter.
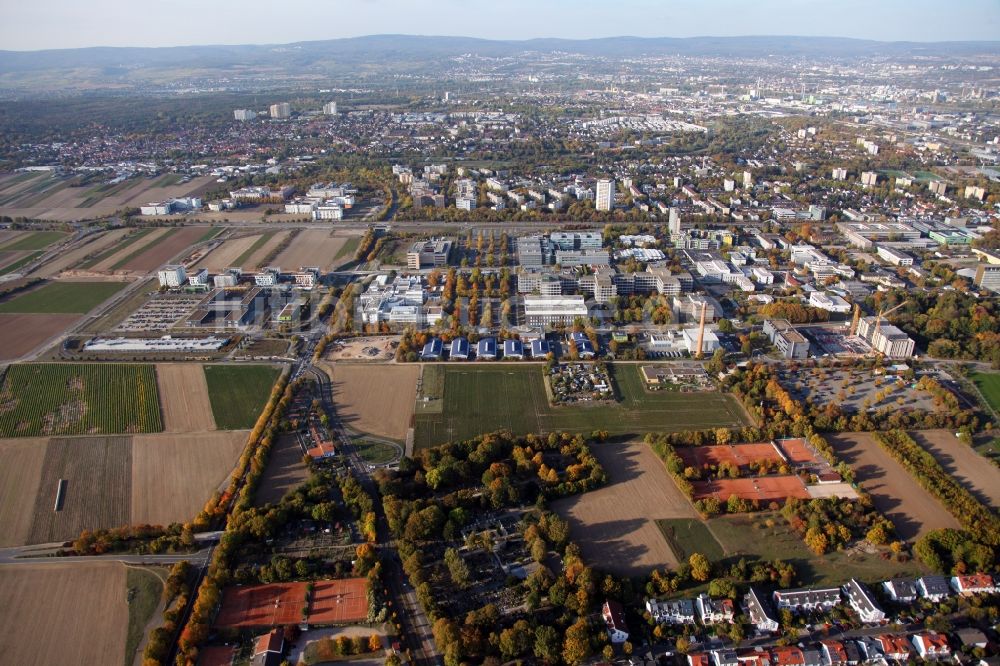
x: 829, y: 302
x: 582, y: 257
x: 886, y: 338
x: 551, y: 310
x: 786, y: 339
x: 434, y: 252
x: 894, y: 257
x: 988, y: 277
x: 688, y: 307
x: 532, y: 251
x: 228, y: 308
x: 709, y: 343
x: 172, y: 276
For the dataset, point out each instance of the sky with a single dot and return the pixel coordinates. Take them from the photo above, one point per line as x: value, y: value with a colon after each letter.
x: 44, y: 24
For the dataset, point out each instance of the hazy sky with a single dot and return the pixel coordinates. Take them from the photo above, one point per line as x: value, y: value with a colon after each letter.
x: 41, y: 24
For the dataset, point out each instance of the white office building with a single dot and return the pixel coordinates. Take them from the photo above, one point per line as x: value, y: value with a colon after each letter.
x: 172, y: 276
x: 281, y: 111
x: 330, y: 109
x: 605, y: 194
x: 244, y: 115
x: 551, y: 310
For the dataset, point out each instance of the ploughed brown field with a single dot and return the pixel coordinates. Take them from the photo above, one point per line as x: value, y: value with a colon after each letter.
x: 615, y: 526
x: 22, y: 333
x: 285, y: 470
x: 895, y: 492
x: 74, y: 613
x: 374, y: 399
x: 978, y: 475
x: 20, y: 473
x: 226, y: 254
x: 165, y: 249
x: 312, y: 247
x: 184, y: 397
x: 173, y: 475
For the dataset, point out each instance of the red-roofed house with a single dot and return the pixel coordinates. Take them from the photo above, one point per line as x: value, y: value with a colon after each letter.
x: 788, y: 656
x: 835, y: 653
x: 614, y: 620
x: 974, y: 584
x: 699, y: 659
x: 895, y: 647
x: 267, y: 651
x: 932, y: 646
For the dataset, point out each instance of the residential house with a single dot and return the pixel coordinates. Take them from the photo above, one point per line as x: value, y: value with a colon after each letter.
x: 760, y: 611
x: 894, y: 647
x: 835, y: 653
x: 811, y: 656
x: 974, y: 584
x: 788, y: 655
x: 725, y: 657
x: 678, y: 611
x: 754, y: 657
x: 807, y: 599
x: 933, y: 588
x: 699, y: 659
x: 714, y: 611
x: 931, y: 646
x: 863, y: 603
x: 268, y: 648
x: 901, y: 590
x: 614, y: 621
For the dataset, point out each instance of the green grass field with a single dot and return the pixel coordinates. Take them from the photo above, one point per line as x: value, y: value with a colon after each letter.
x: 144, y: 590
x: 989, y: 385
x: 23, y: 261
x: 124, y: 243
x: 348, y: 249
x: 483, y: 398
x: 36, y: 240
x: 375, y: 453
x: 79, y: 399
x: 63, y: 298
x: 238, y: 393
x: 687, y: 536
x: 750, y: 535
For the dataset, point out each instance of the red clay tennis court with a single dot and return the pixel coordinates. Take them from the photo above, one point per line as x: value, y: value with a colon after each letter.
x: 797, y: 451
x: 342, y: 601
x: 740, y: 455
x: 763, y: 489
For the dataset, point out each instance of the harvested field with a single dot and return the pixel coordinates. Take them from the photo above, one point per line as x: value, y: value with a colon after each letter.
x: 21, y: 333
x: 33, y: 240
x: 764, y: 489
x: 895, y: 492
x: 97, y: 243
x: 740, y: 455
x: 174, y: 475
x: 64, y: 613
x: 616, y: 525
x: 374, y: 399
x: 284, y: 470
x: 357, y: 349
x: 21, y: 463
x: 979, y: 476
x: 97, y: 474
x: 184, y: 397
x: 227, y: 253
x: 155, y: 253
x: 131, y: 244
x: 312, y: 247
x: 258, y: 257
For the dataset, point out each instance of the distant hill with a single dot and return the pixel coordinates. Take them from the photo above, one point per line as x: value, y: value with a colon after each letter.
x: 105, y: 65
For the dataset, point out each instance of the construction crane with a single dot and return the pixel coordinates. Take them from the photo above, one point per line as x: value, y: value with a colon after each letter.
x: 856, y: 319
x: 886, y: 313
x: 701, y: 334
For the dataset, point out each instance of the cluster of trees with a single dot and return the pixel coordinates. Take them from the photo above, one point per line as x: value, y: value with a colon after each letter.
x: 176, y: 591
x: 794, y: 312
x: 333, y: 649
x: 969, y: 511
x: 360, y: 503
x: 831, y: 523
x: 135, y: 538
x: 951, y: 551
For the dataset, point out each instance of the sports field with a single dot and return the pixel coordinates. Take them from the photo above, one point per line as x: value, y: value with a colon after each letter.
x: 989, y: 386
x: 238, y: 393
x: 341, y: 601
x: 62, y: 298
x: 764, y: 489
x: 78, y: 398
x: 483, y: 398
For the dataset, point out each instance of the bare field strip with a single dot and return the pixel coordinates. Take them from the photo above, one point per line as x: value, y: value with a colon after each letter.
x: 312, y: 247
x: 374, y: 399
x: 174, y: 475
x: 256, y: 260
x: 21, y: 333
x: 97, y: 473
x: 977, y: 474
x: 77, y: 254
x: 73, y: 613
x: 616, y: 525
x: 21, y: 463
x: 285, y: 470
x: 8, y: 235
x: 164, y: 250
x: 223, y: 256
x: 184, y: 397
x: 895, y: 492
x: 109, y: 261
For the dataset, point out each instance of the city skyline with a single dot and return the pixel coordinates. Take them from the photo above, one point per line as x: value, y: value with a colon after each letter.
x: 52, y: 24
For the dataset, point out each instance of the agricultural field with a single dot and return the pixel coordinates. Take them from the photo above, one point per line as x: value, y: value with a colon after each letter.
x: 227, y: 253
x: 101, y: 259
x: 961, y: 461
x: 256, y: 255
x: 767, y: 536
x: 894, y: 490
x: 238, y: 393
x: 154, y: 252
x: 69, y: 258
x: 184, y: 397
x: 74, y: 613
x: 285, y: 470
x: 617, y: 524
x: 62, y: 298
x: 21, y: 333
x: 21, y: 463
x: 374, y: 399
x: 96, y: 474
x: 35, y: 240
x: 312, y: 247
x: 483, y: 398
x: 172, y: 476
x: 989, y: 385
x: 76, y: 399
x: 145, y: 588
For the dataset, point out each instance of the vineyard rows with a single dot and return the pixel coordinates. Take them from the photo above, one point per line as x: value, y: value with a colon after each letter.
x: 79, y: 399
